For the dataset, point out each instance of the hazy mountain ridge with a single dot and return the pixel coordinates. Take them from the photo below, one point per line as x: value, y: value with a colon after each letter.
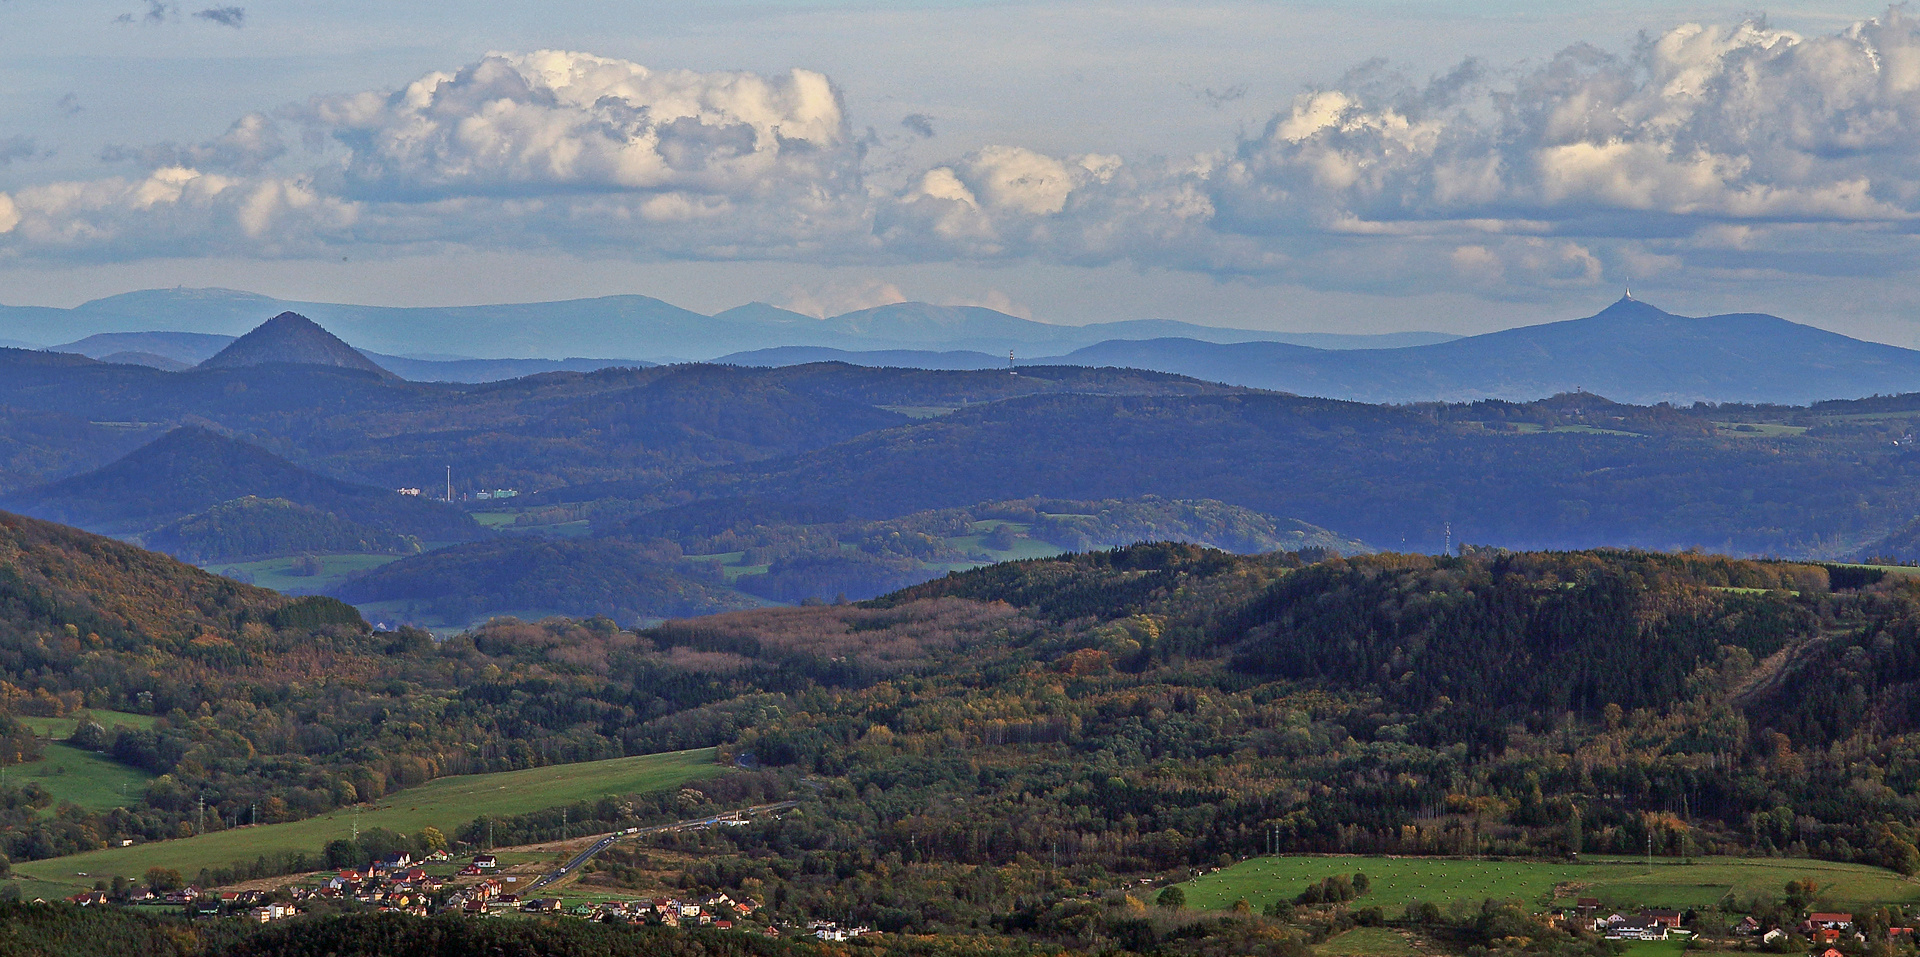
x: 635, y: 326
x: 1631, y: 352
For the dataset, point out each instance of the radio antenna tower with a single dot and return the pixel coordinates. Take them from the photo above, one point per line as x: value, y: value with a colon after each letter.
x: 449, y: 483
x: 1010, y: 363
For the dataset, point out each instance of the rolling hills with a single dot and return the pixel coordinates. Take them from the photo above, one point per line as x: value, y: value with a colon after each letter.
x: 249, y: 528
x: 192, y: 469
x: 1575, y: 471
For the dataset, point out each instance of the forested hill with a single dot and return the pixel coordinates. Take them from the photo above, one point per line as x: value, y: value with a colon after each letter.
x: 1138, y: 712
x: 1572, y: 472
x: 64, y: 593
x: 191, y: 468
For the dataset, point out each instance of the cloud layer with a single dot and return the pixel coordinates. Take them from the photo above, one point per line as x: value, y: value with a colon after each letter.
x: 1728, y: 150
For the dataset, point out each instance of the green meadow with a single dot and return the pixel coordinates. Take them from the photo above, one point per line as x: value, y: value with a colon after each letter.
x: 278, y: 573
x: 62, y: 727
x: 1618, y: 883
x: 93, y: 781
x: 90, y: 780
x: 446, y: 803
x: 1367, y: 942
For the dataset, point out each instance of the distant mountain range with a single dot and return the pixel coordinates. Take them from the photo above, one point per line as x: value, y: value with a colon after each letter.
x: 1631, y: 351
x: 177, y: 351
x: 623, y: 326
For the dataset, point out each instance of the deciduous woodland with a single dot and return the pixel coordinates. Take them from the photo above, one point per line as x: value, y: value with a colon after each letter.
x: 978, y: 751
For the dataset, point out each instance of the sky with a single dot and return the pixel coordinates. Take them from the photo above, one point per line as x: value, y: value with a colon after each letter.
x: 1306, y: 166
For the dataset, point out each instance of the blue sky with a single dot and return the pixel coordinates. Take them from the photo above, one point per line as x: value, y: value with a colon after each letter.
x: 1310, y: 166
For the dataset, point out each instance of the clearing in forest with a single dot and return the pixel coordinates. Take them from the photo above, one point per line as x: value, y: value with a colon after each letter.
x: 445, y: 803
x: 1619, y: 883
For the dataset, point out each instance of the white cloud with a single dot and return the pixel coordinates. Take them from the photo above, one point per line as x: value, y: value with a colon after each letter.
x: 554, y: 120
x: 1718, y: 148
x: 838, y: 298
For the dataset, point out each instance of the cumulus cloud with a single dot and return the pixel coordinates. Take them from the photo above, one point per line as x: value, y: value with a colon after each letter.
x: 1593, y: 163
x: 1726, y: 148
x: 552, y: 121
x: 175, y: 207
x: 250, y: 143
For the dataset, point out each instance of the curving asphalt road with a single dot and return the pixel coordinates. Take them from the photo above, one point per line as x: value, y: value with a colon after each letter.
x: 610, y: 839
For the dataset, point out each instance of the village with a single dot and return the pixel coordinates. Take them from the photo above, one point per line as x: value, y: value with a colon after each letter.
x: 478, y: 886
x: 436, y: 884
x: 1825, y: 933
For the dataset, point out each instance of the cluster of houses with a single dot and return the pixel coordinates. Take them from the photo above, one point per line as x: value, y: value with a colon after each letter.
x: 828, y: 930
x: 397, y: 883
x: 1645, y: 925
x: 255, y: 906
x: 661, y: 911
x: 1822, y: 929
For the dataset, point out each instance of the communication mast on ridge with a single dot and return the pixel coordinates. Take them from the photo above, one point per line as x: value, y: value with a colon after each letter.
x: 449, y: 483
x: 1010, y: 363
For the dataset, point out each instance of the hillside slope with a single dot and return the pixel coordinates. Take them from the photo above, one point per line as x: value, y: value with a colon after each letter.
x: 251, y: 527
x: 191, y: 469
x: 52, y: 576
x: 1582, y: 472
x: 291, y: 339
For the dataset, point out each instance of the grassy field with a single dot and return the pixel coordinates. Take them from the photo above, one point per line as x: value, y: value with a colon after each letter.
x: 277, y: 573
x: 732, y: 565
x: 1759, y: 430
x: 1656, y: 948
x: 1619, y: 884
x: 92, y: 781
x: 1368, y: 942
x: 446, y: 803
x: 59, y: 728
